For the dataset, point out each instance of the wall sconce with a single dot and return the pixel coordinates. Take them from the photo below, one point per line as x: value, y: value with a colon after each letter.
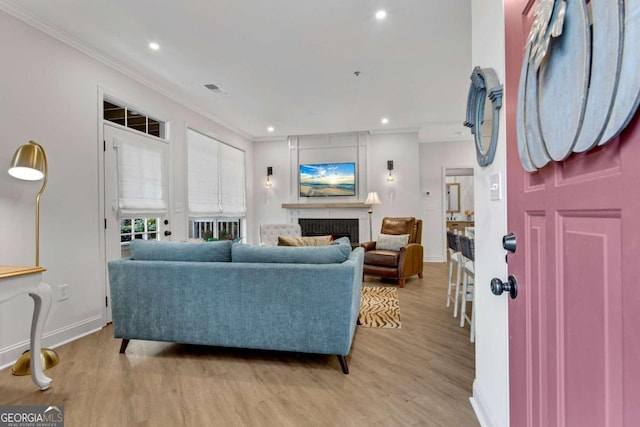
x: 390, y: 168
x: 268, y: 184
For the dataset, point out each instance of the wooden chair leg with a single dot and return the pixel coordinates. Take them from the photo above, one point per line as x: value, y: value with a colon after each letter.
x: 401, y: 282
x: 343, y: 364
x: 123, y: 346
x: 420, y: 275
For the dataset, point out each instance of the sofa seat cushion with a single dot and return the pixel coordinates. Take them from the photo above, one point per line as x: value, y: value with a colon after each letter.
x: 304, y: 240
x: 337, y: 252
x: 154, y: 250
x: 382, y: 257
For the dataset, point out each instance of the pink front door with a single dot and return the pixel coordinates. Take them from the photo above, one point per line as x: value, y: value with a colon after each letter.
x: 574, y: 328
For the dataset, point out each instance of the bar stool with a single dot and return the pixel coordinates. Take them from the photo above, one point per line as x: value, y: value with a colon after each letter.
x: 455, y: 256
x: 468, y: 292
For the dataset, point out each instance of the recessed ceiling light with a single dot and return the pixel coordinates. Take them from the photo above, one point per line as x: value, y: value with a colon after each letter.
x: 384, y: 121
x: 381, y: 14
x: 270, y: 129
x: 154, y: 46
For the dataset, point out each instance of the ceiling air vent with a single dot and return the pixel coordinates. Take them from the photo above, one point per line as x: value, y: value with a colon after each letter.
x: 215, y: 89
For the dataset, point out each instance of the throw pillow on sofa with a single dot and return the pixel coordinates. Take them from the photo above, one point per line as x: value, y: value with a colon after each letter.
x: 337, y: 252
x: 390, y: 242
x: 304, y: 240
x: 155, y: 250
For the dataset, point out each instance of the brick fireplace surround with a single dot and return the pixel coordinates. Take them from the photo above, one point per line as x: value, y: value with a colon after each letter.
x: 337, y: 227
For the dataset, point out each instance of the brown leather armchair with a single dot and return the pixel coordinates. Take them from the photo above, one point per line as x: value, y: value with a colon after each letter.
x: 401, y: 264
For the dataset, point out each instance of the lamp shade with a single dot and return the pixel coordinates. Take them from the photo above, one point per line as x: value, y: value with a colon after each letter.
x: 28, y: 162
x: 372, y: 199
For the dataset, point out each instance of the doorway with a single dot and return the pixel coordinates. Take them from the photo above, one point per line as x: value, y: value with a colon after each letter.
x: 133, y: 216
x: 459, y: 204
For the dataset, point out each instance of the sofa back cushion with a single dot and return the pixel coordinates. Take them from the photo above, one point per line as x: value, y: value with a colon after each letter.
x: 337, y: 252
x: 153, y: 250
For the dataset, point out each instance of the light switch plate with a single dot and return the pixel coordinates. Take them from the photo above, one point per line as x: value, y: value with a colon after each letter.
x: 495, y: 188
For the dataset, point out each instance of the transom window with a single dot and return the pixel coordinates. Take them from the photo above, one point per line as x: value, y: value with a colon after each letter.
x: 124, y: 115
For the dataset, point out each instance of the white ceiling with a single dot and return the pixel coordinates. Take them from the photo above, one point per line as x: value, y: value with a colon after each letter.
x: 285, y: 63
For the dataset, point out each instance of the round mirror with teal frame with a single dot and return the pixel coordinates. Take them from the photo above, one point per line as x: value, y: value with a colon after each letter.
x: 483, y: 112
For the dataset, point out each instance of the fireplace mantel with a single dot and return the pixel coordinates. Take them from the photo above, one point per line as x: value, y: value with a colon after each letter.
x: 347, y: 205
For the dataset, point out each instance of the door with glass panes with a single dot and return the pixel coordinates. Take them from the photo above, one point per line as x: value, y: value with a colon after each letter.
x: 136, y: 191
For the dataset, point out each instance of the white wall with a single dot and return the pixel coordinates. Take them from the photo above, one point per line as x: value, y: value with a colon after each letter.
x: 401, y: 198
x: 434, y: 158
x: 268, y: 202
x: 491, y: 386
x: 49, y: 93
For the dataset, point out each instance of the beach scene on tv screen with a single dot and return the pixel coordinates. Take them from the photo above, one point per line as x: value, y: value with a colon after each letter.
x: 327, y: 179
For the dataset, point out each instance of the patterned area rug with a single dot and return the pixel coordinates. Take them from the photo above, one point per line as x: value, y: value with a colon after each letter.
x: 379, y: 308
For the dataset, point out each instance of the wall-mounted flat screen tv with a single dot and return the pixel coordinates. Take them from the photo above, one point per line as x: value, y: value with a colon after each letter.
x: 327, y: 179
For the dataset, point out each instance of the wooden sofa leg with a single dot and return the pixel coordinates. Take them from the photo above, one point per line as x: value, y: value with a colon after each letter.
x: 123, y: 346
x: 420, y: 275
x: 401, y: 283
x: 343, y: 364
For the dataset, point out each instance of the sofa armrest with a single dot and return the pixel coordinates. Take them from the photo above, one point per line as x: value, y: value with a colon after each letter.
x: 411, y: 260
x: 368, y: 246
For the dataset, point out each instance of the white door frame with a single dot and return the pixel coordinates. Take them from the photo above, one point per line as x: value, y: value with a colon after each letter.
x: 102, y: 206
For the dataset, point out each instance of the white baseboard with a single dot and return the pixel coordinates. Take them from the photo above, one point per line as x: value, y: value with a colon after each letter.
x: 434, y: 258
x: 53, y: 339
x: 480, y: 408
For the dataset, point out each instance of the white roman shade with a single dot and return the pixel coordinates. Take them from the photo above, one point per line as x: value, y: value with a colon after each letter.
x: 216, y: 178
x: 142, y: 178
x: 203, y: 175
x: 232, y: 186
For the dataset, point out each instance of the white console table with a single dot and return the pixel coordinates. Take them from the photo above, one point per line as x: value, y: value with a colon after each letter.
x: 16, y: 281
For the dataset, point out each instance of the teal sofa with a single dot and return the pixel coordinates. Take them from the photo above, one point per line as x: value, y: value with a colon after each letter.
x: 301, y: 299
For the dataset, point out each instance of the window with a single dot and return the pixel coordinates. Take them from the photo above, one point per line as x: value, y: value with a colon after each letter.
x: 117, y: 112
x: 138, y: 228
x: 215, y: 228
x: 216, y: 188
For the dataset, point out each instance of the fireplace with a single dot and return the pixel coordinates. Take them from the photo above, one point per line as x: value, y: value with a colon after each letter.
x: 333, y: 226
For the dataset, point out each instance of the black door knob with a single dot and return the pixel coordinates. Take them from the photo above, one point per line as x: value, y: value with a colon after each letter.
x: 509, y: 242
x: 511, y: 286
x: 167, y: 233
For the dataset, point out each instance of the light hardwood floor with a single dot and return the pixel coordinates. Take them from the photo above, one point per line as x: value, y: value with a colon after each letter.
x: 419, y: 375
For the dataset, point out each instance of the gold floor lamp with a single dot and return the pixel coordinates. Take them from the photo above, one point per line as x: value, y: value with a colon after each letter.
x: 29, y: 163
